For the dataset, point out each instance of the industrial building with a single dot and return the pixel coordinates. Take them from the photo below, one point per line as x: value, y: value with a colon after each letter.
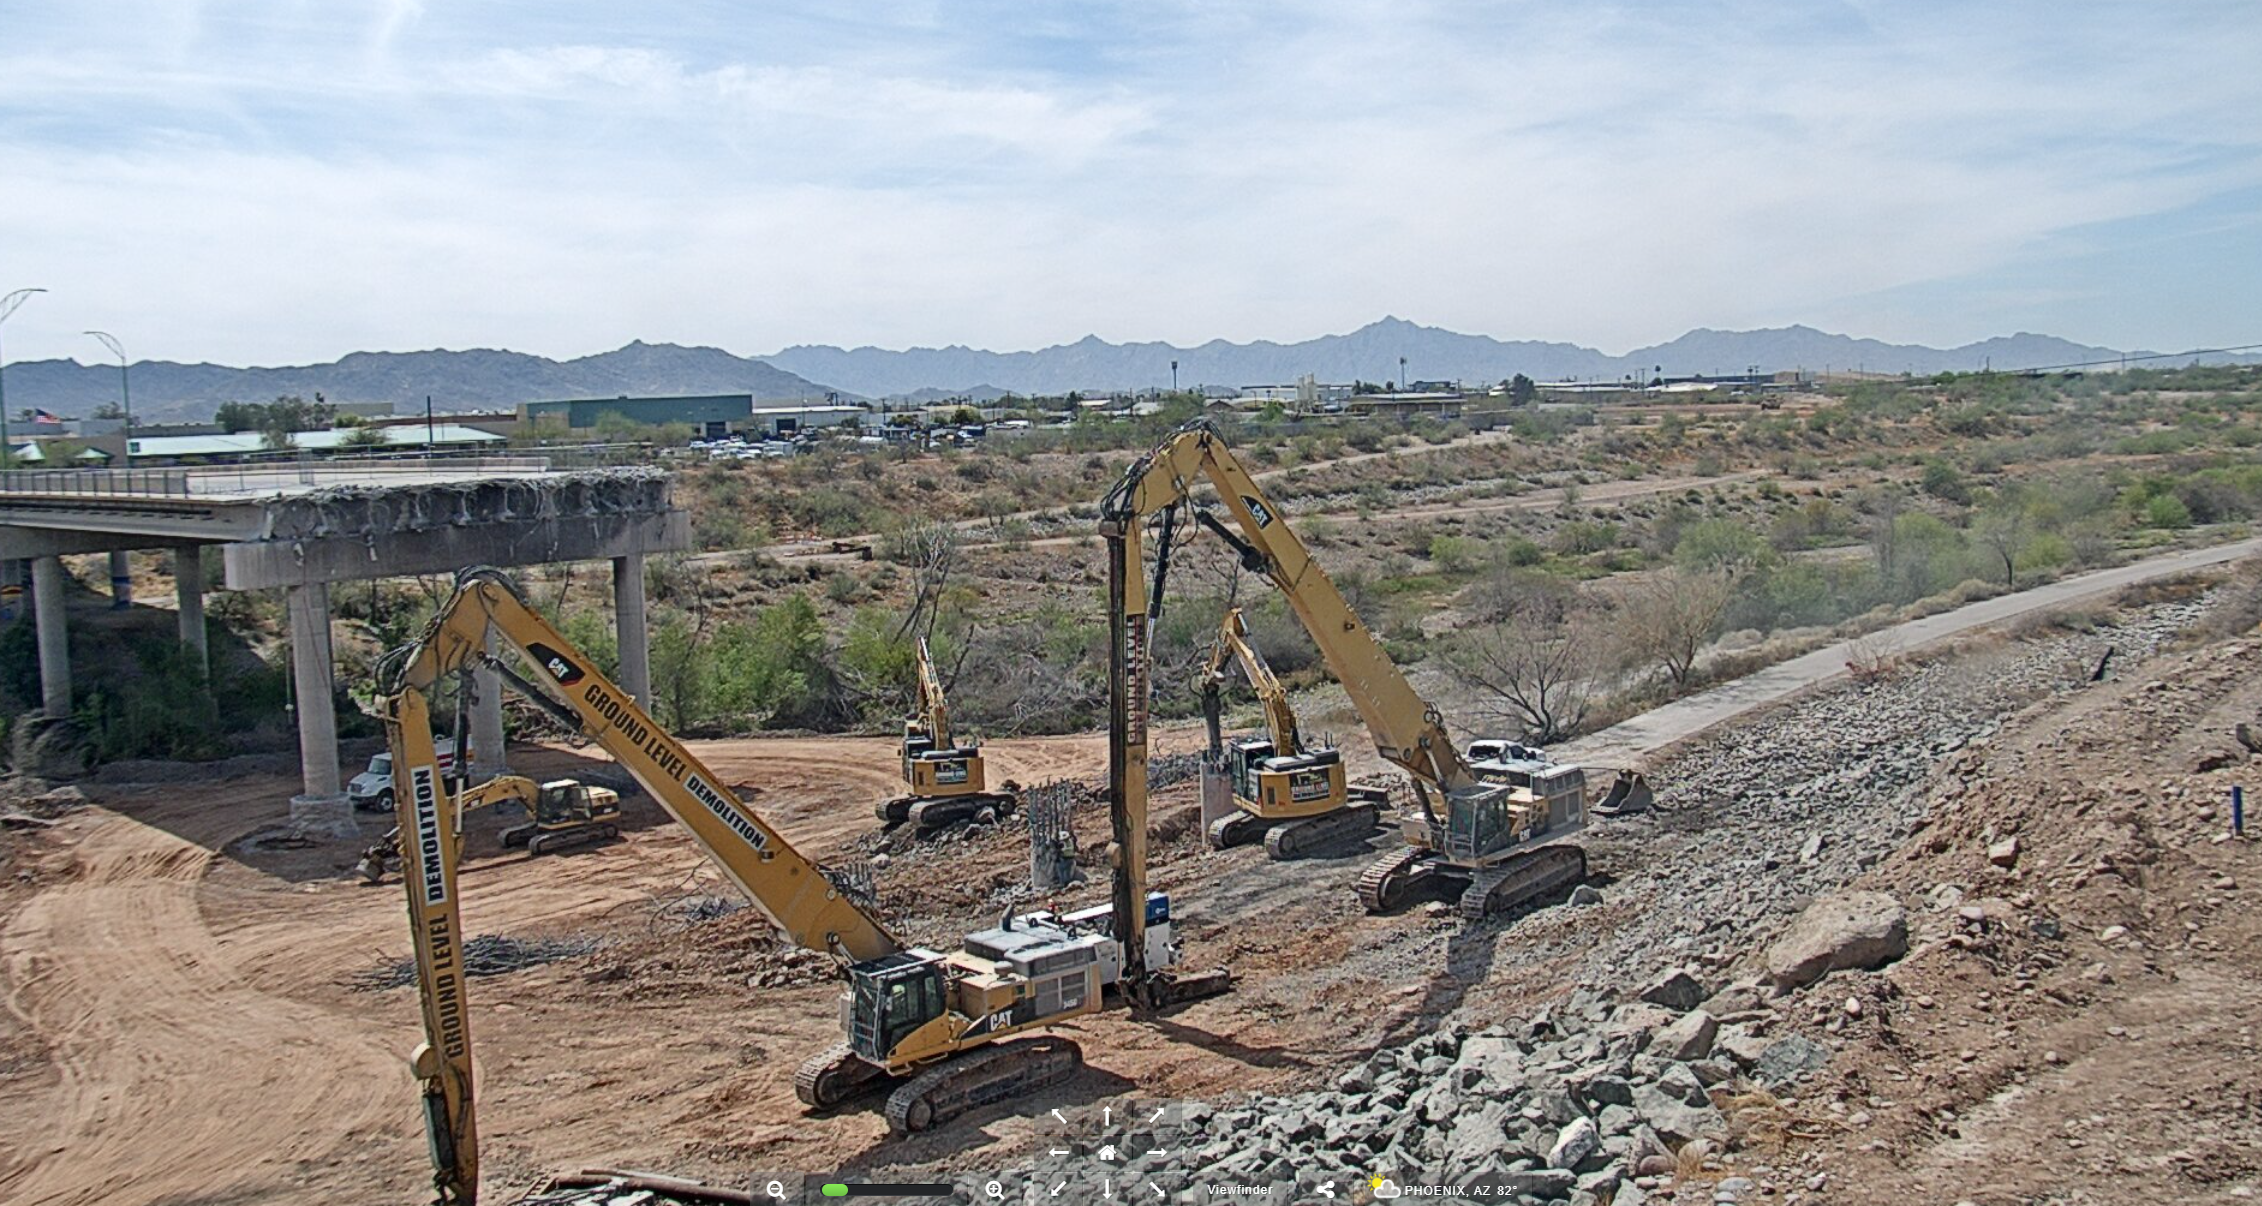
x: 706, y: 414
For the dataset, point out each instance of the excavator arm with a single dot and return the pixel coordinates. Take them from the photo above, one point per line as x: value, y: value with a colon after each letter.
x: 1233, y: 643
x: 934, y: 712
x: 1407, y: 730
x: 500, y: 789
x: 788, y: 887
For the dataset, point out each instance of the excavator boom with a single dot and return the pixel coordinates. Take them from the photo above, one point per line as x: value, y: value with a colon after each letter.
x: 1233, y: 642
x: 793, y: 891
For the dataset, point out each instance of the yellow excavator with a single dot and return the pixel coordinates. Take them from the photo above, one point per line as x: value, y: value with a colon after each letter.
x: 1292, y: 797
x: 952, y: 1028
x: 566, y: 813
x: 945, y: 777
x: 1492, y: 831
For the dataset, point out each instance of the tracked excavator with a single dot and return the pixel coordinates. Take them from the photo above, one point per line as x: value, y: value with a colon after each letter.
x: 949, y: 1031
x: 1291, y: 796
x: 564, y: 814
x: 946, y: 782
x: 1495, y: 839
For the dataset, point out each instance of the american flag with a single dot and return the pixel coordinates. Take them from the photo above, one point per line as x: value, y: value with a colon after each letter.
x: 46, y: 418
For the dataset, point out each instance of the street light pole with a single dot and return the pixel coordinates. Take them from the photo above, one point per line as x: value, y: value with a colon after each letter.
x: 8, y: 306
x: 125, y: 394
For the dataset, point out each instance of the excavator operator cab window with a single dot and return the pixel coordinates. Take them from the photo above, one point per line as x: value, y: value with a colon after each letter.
x: 893, y: 1001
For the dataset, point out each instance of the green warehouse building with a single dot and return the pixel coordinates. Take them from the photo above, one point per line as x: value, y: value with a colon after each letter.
x: 707, y: 414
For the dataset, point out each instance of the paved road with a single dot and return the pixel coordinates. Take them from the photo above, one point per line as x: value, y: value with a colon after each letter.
x: 1628, y: 743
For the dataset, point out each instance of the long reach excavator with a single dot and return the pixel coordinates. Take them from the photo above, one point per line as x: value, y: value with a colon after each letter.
x: 1277, y: 781
x: 946, y: 779
x: 950, y: 1031
x: 1490, y: 830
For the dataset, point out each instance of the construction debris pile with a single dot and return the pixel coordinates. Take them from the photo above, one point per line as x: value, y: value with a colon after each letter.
x: 728, y: 950
x: 484, y: 955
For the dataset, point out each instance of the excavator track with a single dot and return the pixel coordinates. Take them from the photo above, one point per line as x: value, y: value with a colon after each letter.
x: 1238, y: 829
x: 569, y: 839
x: 1391, y: 881
x: 927, y: 816
x: 993, y: 1073
x: 895, y: 810
x: 832, y: 1076
x: 1528, y: 876
x: 1307, y: 835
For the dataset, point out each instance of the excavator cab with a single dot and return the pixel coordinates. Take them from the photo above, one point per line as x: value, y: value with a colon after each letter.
x: 888, y: 998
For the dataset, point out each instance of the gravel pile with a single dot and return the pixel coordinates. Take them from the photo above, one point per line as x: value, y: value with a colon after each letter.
x: 1671, y: 1050
x: 1585, y: 1103
x: 1755, y: 822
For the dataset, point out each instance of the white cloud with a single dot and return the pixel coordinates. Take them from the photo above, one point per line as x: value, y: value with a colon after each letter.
x: 294, y: 186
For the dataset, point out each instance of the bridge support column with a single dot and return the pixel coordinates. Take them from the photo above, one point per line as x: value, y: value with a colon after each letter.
x: 323, y: 808
x: 188, y: 593
x: 12, y: 574
x: 633, y: 637
x: 487, y: 720
x: 54, y: 637
x: 121, y: 581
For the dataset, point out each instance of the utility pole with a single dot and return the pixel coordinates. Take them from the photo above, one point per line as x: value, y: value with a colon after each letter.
x: 8, y: 306
x: 1174, y: 376
x: 429, y: 440
x: 125, y: 395
x: 1404, y: 386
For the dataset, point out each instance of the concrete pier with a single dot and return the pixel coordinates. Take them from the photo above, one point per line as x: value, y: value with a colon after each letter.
x: 121, y: 581
x: 313, y: 681
x: 634, y: 637
x: 188, y: 596
x: 54, y: 636
x: 488, y: 755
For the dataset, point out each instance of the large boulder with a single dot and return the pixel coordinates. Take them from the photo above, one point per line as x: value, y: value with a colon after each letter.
x: 1676, y: 1121
x: 1855, y: 930
x: 1688, y: 1038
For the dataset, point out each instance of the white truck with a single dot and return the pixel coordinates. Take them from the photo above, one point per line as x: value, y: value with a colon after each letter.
x: 372, y: 789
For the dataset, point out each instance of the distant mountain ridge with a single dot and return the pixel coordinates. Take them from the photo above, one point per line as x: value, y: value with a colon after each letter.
x: 474, y: 379
x: 490, y: 379
x: 1371, y: 354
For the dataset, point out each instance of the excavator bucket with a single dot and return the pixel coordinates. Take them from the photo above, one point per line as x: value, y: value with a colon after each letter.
x: 1628, y: 793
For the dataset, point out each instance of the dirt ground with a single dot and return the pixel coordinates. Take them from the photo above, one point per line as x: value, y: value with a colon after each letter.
x: 182, y: 1022
x: 2077, y: 1026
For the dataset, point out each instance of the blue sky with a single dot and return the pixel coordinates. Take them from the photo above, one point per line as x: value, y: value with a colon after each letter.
x: 286, y: 182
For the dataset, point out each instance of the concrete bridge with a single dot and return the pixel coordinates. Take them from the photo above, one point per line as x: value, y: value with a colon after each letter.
x: 304, y: 527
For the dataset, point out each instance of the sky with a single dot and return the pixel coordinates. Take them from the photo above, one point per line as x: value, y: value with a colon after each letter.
x: 284, y: 182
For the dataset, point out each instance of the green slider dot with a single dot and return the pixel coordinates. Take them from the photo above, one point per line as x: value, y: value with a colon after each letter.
x: 836, y: 1191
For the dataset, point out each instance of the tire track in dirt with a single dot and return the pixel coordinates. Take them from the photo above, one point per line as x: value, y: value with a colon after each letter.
x: 177, y: 1079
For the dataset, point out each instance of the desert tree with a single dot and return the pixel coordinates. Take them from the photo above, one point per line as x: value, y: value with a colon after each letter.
x: 1666, y: 617
x: 1534, y: 660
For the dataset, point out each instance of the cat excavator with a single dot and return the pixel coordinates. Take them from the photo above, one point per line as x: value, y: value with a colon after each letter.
x: 947, y: 782
x: 1495, y: 838
x: 1292, y: 797
x: 565, y: 813
x: 952, y: 1029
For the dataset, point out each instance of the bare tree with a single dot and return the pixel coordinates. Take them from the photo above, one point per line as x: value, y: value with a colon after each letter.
x: 1669, y: 615
x: 928, y: 548
x: 2003, y: 529
x: 1881, y: 508
x: 1536, y: 664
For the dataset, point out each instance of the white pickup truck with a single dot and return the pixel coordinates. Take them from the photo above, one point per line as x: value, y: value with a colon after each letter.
x: 372, y: 789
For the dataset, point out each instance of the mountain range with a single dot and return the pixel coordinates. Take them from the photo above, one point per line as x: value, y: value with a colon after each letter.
x: 1372, y: 353
x: 476, y: 379
x: 482, y: 379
